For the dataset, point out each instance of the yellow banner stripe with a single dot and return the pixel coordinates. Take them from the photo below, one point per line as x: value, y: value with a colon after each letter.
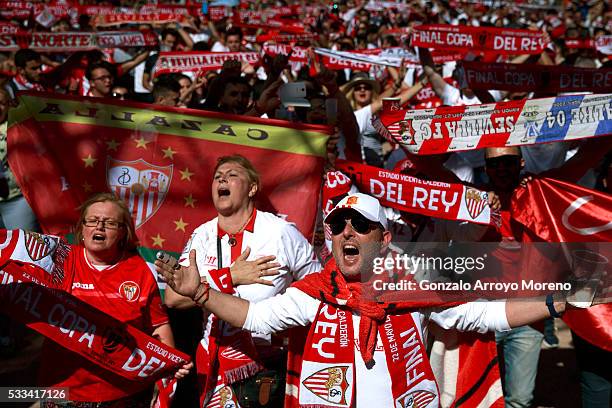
x: 86, y: 112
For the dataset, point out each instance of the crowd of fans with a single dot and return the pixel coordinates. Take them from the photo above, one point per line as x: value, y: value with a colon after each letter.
x: 345, y: 99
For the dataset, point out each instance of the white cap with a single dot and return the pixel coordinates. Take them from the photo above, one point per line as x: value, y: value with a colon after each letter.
x: 364, y: 204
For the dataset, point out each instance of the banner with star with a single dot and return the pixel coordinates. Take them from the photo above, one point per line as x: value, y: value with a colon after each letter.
x: 159, y: 160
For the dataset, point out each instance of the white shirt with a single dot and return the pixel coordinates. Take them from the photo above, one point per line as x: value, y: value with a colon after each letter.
x: 219, y: 47
x: 454, y: 97
x: 368, y: 136
x: 295, y: 308
x: 271, y: 236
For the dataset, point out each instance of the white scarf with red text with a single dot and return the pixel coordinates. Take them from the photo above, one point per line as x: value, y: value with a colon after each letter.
x: 328, y: 375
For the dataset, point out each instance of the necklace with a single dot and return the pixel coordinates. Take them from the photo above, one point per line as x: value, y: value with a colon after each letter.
x: 232, y: 237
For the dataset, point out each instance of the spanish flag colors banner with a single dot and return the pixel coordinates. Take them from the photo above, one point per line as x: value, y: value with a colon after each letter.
x: 159, y: 160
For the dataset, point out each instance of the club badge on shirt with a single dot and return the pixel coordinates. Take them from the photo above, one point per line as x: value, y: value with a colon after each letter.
x: 130, y: 291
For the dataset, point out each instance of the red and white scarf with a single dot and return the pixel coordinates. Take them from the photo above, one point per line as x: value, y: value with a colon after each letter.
x: 23, y: 84
x: 229, y: 354
x: 502, y: 124
x: 503, y: 41
x: 327, y: 366
x: 451, y: 201
x: 196, y: 61
x: 33, y: 270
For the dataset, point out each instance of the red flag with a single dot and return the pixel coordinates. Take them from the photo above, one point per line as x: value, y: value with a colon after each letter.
x: 557, y: 211
x: 160, y: 160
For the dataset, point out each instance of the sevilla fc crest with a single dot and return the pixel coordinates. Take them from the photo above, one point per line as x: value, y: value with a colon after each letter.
x: 39, y: 246
x: 403, y: 131
x: 417, y: 399
x: 129, y: 291
x: 329, y: 384
x: 223, y: 398
x: 475, y: 202
x: 143, y: 186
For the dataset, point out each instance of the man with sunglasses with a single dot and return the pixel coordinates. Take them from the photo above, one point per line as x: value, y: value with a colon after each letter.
x: 358, y: 352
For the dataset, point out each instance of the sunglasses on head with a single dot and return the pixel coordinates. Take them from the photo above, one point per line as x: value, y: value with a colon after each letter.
x: 360, y: 224
x: 507, y: 160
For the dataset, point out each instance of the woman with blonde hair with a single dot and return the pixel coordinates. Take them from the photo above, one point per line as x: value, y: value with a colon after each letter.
x: 366, y: 98
x: 105, y: 271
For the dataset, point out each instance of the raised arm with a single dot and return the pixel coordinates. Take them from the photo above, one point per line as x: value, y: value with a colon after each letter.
x: 437, y: 82
x: 127, y: 66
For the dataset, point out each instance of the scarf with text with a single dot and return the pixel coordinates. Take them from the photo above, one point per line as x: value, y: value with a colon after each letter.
x: 500, y: 40
x: 75, y: 41
x: 602, y: 44
x: 286, y: 38
x: 32, y: 272
x: 411, y: 194
x: 391, y: 57
x: 536, y: 78
x: 196, y: 61
x: 327, y: 373
x: 513, y: 123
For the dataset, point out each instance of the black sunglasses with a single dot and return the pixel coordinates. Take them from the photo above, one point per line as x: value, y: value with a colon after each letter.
x: 360, y: 224
x: 508, y: 160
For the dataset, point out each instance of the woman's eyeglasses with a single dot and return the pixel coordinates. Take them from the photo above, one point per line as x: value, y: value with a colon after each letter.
x: 359, y: 223
x: 363, y: 88
x: 107, y: 224
x: 119, y: 95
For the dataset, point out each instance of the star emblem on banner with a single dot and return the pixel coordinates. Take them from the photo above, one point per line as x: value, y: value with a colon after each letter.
x: 169, y: 153
x: 158, y: 240
x: 180, y: 224
x: 186, y: 174
x: 112, y: 145
x: 190, y: 201
x: 87, y: 187
x: 141, y: 142
x: 89, y: 161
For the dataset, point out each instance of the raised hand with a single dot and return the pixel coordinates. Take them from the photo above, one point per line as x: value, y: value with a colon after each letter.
x: 493, y: 200
x: 183, y: 280
x: 248, y: 272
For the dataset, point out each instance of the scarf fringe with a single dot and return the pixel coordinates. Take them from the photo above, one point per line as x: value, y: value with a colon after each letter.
x: 496, y: 218
x: 59, y: 257
x: 242, y: 372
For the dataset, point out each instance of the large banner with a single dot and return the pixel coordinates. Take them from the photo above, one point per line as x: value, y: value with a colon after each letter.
x: 514, y: 123
x: 159, y: 160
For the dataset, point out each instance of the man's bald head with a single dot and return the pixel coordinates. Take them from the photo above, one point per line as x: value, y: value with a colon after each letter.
x: 491, y: 152
x: 503, y: 166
